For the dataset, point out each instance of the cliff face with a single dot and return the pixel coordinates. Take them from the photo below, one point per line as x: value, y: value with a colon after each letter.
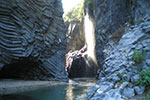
x: 75, y: 35
x: 112, y: 17
x: 122, y: 47
x: 81, y: 60
x: 121, y: 70
x: 33, y: 32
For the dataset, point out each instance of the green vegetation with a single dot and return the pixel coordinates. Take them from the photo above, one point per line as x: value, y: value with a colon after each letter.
x: 127, y: 56
x: 126, y: 99
x: 139, y: 68
x: 119, y: 75
x: 138, y: 56
x: 75, y: 14
x: 122, y: 81
x: 104, y: 68
x: 144, y: 78
x: 110, y: 79
x: 89, y: 3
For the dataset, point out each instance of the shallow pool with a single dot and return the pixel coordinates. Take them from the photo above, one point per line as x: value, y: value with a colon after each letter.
x: 76, y: 89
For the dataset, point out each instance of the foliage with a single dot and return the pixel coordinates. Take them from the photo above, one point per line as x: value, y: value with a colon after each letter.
x: 89, y: 4
x: 126, y: 99
x: 138, y: 56
x: 119, y: 75
x: 122, y: 81
x: 75, y: 14
x: 144, y: 78
x: 104, y: 68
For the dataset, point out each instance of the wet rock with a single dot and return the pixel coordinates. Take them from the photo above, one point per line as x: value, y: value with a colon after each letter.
x: 91, y: 92
x: 115, y: 78
x: 103, y: 88
x: 148, y: 62
x: 146, y: 29
x: 135, y: 78
x: 124, y: 64
x: 123, y: 85
x: 99, y: 97
x: 114, y: 94
x: 129, y: 39
x: 128, y: 92
x: 129, y: 75
x: 139, y: 89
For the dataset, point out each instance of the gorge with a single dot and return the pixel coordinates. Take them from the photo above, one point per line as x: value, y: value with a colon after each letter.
x: 104, y: 39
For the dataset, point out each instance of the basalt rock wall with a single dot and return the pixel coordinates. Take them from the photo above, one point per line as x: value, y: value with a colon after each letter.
x: 122, y: 30
x: 112, y: 17
x: 32, y: 31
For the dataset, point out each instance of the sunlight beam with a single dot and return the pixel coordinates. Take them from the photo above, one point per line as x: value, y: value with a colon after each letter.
x: 90, y: 37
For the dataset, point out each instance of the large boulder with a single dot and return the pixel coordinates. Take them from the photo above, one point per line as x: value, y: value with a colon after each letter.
x: 32, y: 36
x: 78, y: 64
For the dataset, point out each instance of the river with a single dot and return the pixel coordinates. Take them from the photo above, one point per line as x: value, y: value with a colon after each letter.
x: 76, y: 89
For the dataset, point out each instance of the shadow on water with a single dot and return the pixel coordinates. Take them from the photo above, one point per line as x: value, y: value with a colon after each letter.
x: 76, y: 89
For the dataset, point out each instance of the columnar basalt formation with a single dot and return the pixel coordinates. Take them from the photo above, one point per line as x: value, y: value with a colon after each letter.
x: 112, y: 17
x: 122, y: 29
x: 34, y: 31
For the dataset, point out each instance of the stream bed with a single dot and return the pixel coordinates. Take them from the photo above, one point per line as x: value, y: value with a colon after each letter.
x: 76, y: 89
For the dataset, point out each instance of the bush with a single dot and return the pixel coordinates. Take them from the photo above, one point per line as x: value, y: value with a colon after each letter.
x: 122, y: 81
x: 75, y: 14
x: 119, y: 75
x: 138, y: 56
x: 144, y: 78
x: 89, y: 4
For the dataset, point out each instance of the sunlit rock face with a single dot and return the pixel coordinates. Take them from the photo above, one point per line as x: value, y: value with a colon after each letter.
x: 81, y: 59
x: 33, y: 30
x: 89, y: 28
x: 75, y: 35
x: 79, y: 64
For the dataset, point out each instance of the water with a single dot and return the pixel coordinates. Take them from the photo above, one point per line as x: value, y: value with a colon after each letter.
x: 76, y: 89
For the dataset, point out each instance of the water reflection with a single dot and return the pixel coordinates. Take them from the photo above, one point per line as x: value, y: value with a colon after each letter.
x: 75, y: 90
x: 69, y: 92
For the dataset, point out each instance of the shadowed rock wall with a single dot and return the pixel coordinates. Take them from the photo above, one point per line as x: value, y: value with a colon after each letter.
x: 127, y: 21
x: 34, y: 30
x: 112, y: 17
